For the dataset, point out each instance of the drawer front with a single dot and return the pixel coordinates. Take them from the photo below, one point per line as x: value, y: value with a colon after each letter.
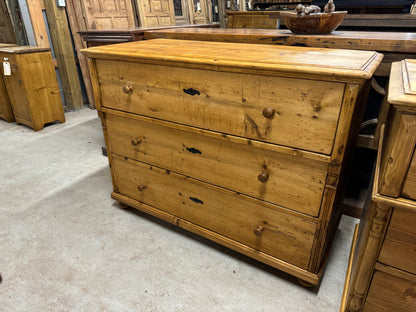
x: 409, y: 187
x: 287, y: 236
x: 241, y: 165
x: 399, y: 246
x: 292, y: 112
x: 390, y: 293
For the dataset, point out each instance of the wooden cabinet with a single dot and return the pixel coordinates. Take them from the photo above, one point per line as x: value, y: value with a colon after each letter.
x: 383, y: 275
x: 244, y: 146
x: 32, y: 86
x: 6, y: 111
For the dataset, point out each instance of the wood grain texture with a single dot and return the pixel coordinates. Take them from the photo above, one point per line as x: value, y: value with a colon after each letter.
x: 36, y: 8
x: 305, y: 111
x: 62, y: 44
x: 207, y: 155
x: 32, y: 87
x: 156, y: 13
x: 399, y: 247
x: 273, y: 60
x: 235, y: 216
x: 409, y: 186
x: 390, y: 293
x: 6, y: 112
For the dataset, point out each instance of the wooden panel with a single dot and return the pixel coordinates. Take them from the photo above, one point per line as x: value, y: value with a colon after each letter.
x: 6, y: 111
x: 399, y: 247
x: 250, y: 20
x: 36, y: 8
x: 409, y: 187
x: 102, y: 14
x: 6, y: 27
x: 305, y: 111
x: 288, y: 237
x: 390, y: 293
x: 156, y: 13
x: 64, y: 53
x: 293, y: 181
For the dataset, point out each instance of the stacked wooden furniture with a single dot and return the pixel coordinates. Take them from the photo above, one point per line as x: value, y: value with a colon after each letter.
x: 6, y: 111
x: 383, y: 275
x: 242, y: 144
x: 32, y: 86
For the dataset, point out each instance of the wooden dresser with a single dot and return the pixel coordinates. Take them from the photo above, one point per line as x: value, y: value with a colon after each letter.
x: 383, y: 274
x: 243, y: 144
x: 32, y: 86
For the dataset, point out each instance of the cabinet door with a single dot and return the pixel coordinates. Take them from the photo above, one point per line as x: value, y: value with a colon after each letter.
x: 107, y: 14
x: 199, y: 11
x: 154, y: 13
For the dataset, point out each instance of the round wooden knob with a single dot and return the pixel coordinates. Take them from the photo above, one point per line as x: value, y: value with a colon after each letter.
x: 127, y: 89
x: 141, y: 187
x: 259, y: 230
x: 135, y: 142
x: 263, y: 177
x: 268, y: 112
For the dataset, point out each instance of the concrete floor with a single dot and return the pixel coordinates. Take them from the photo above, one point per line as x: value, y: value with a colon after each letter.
x: 65, y: 245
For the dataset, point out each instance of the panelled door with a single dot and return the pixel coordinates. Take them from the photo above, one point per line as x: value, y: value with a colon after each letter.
x: 156, y: 13
x: 6, y: 26
x: 199, y: 11
x: 107, y: 14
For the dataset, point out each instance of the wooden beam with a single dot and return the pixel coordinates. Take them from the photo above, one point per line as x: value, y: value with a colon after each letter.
x: 36, y: 8
x: 77, y: 22
x: 64, y: 52
x: 27, y: 22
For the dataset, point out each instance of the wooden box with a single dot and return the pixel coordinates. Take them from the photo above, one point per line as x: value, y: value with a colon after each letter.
x: 383, y: 274
x: 32, y: 86
x: 242, y: 144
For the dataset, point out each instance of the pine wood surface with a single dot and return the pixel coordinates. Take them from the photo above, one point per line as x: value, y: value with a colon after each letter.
x: 207, y: 155
x: 218, y: 77
x: 235, y: 216
x: 32, y: 88
x: 342, y: 64
x: 399, y: 246
x: 305, y: 112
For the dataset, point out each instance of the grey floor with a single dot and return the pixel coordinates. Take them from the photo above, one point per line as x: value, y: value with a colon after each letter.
x: 65, y: 245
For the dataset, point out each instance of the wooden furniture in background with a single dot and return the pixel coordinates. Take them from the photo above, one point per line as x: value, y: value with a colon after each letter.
x: 32, y: 86
x: 6, y: 111
x: 383, y: 275
x: 253, y: 19
x: 254, y: 140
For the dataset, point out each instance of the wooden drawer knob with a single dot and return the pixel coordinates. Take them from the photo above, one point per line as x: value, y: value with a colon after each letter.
x: 135, y: 142
x: 141, y: 187
x: 258, y: 231
x: 263, y: 177
x: 268, y: 112
x: 128, y: 89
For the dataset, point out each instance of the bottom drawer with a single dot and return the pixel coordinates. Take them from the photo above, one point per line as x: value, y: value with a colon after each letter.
x: 390, y: 293
x: 265, y: 227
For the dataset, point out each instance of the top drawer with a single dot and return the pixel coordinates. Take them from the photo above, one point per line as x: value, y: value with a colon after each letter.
x: 293, y: 112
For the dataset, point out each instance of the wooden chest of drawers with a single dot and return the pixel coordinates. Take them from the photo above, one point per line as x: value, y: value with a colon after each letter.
x: 32, y: 86
x: 241, y: 144
x: 384, y: 268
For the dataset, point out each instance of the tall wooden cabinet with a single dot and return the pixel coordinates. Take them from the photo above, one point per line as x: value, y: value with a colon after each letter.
x: 383, y: 275
x: 242, y: 144
x: 32, y: 86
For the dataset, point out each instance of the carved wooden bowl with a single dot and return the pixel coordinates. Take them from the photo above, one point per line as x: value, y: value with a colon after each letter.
x: 315, y: 23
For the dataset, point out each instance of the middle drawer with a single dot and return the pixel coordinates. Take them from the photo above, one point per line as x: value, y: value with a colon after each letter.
x: 287, y: 177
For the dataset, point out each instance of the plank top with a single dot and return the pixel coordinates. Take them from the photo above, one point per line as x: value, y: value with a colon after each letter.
x: 402, y: 87
x: 358, y: 40
x: 22, y: 49
x: 244, y: 57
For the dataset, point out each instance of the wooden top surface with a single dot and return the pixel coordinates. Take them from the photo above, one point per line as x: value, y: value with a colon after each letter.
x: 312, y: 61
x: 22, y: 49
x: 3, y: 45
x: 359, y: 40
x: 402, y: 87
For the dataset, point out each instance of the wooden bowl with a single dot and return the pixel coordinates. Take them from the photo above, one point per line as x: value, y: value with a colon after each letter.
x: 315, y: 23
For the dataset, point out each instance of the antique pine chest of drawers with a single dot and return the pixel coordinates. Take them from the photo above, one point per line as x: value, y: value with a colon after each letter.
x: 383, y: 273
x: 242, y: 144
x: 32, y: 86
